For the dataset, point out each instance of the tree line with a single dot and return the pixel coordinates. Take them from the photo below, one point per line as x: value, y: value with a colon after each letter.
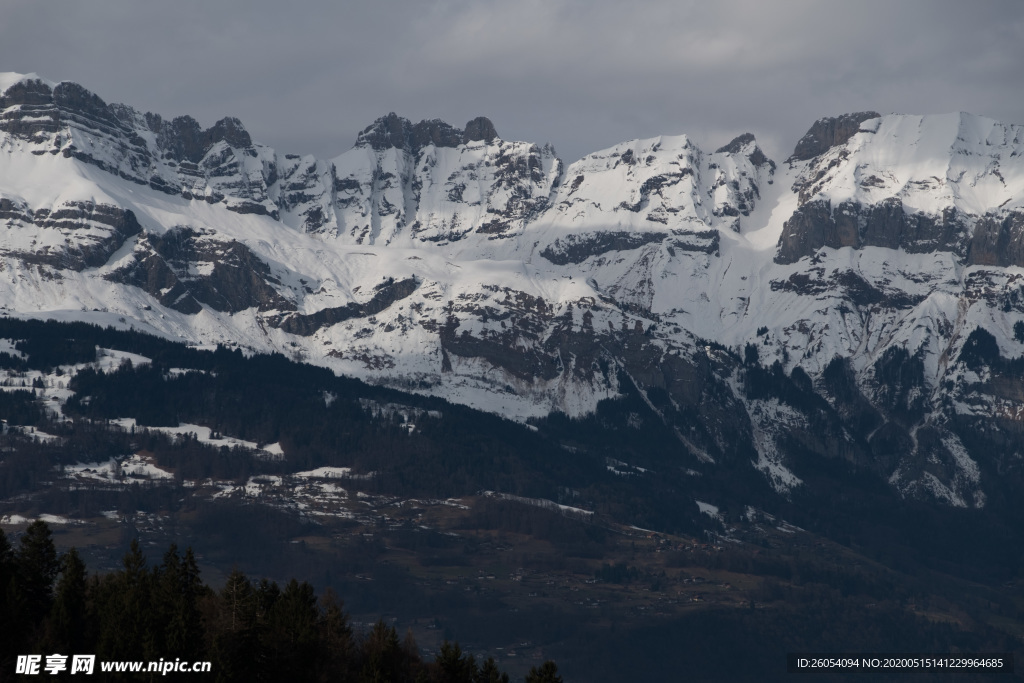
x: 249, y: 630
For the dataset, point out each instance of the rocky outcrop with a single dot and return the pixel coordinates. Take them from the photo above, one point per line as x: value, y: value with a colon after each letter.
x: 829, y: 132
x: 220, y: 164
x: 77, y: 105
x: 817, y: 224
x: 998, y: 241
x: 394, y: 131
x: 152, y: 274
x: 848, y: 285
x: 183, y: 139
x: 67, y: 119
x: 746, y: 143
x: 384, y: 295
x: 527, y: 342
x: 28, y: 111
x: 442, y: 187
x: 578, y: 248
x: 478, y: 129
x: 184, y: 268
x: 72, y: 235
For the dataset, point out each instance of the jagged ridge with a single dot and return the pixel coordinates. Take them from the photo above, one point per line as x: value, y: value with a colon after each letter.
x: 849, y: 280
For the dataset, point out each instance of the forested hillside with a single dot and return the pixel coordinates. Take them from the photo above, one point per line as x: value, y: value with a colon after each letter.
x: 571, y: 539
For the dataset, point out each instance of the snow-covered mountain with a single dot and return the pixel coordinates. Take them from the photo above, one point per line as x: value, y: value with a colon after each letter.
x: 859, y: 301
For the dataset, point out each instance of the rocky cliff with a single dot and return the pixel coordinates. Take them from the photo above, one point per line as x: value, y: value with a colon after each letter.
x: 862, y: 302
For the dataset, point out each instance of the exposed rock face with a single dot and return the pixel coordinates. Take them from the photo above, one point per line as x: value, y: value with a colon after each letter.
x: 28, y: 111
x: 816, y: 224
x: 393, y: 131
x: 217, y: 165
x: 182, y: 138
x: 479, y: 128
x: 662, y: 183
x: 998, y: 241
x: 76, y: 105
x: 830, y: 132
x: 183, y: 269
x: 453, y: 262
x: 526, y: 317
x: 72, y: 235
x: 746, y: 144
x: 151, y: 273
x: 578, y: 248
x: 855, y: 290
x: 589, y: 344
x: 937, y: 198
x: 430, y: 182
x: 384, y: 295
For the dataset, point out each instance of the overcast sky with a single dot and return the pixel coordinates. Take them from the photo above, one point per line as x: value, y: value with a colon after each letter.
x: 307, y: 76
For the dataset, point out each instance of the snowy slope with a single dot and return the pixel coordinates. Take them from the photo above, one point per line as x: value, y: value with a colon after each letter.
x: 931, y: 163
x: 442, y: 191
x: 449, y: 261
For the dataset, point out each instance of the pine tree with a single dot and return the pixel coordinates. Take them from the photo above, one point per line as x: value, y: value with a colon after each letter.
x: 166, y: 577
x: 489, y: 673
x: 6, y: 560
x: 7, y: 622
x: 264, y: 598
x: 126, y: 620
x: 454, y: 666
x: 337, y: 631
x: 236, y: 643
x: 292, y: 631
x: 383, y: 657
x: 239, y: 604
x: 411, y: 652
x: 547, y: 673
x: 190, y: 619
x: 68, y: 618
x: 336, y: 637
x: 176, y: 603
x: 35, y: 571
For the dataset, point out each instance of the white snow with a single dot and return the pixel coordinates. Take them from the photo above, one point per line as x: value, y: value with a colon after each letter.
x: 430, y: 216
x: 709, y: 510
x: 109, y: 360
x: 102, y: 471
x: 48, y: 518
x: 7, y: 346
x: 9, y: 78
x: 326, y: 473
x: 142, y: 467
x: 203, y: 435
x: 542, y: 503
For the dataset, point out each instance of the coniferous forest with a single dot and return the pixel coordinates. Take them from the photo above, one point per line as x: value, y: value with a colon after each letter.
x: 248, y: 630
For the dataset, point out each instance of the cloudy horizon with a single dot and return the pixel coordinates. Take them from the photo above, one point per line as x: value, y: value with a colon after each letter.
x: 582, y: 75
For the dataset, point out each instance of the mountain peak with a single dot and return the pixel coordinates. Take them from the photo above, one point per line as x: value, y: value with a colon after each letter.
x: 230, y: 130
x: 737, y: 144
x: 479, y: 128
x: 433, y: 132
x: 9, y: 79
x: 186, y: 140
x: 829, y: 132
x: 745, y: 143
x: 387, y: 131
x: 394, y: 131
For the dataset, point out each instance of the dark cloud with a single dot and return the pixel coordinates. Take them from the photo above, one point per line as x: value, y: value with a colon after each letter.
x: 582, y: 74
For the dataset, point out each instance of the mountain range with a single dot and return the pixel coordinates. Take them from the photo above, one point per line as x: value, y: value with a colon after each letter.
x: 861, y: 301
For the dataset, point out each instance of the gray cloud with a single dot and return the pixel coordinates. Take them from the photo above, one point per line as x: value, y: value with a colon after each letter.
x: 582, y: 74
